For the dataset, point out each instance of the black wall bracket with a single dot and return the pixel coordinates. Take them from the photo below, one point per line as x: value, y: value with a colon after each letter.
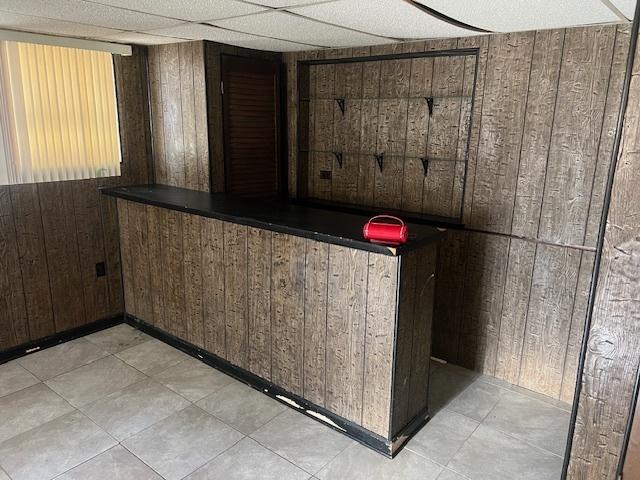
x: 380, y: 160
x: 429, y: 104
x: 341, y: 104
x: 339, y: 158
x: 425, y: 165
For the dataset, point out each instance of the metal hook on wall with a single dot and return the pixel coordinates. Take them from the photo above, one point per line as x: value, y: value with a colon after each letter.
x: 425, y: 165
x: 380, y: 160
x: 341, y: 104
x: 339, y: 158
x: 429, y: 104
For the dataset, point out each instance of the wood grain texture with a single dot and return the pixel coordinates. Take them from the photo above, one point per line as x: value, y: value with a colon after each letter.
x: 287, y: 312
x: 513, y: 319
x: 173, y: 273
x: 139, y: 245
x: 536, y: 139
x: 315, y: 321
x: 346, y: 313
x: 485, y: 277
x: 235, y: 293
x: 179, y: 114
x: 613, y: 353
x: 381, y: 318
x: 422, y: 330
x: 193, y: 289
x: 156, y: 223
x: 127, y: 262
x: 503, y: 112
x: 584, y: 77
x: 259, y: 301
x: 213, y: 284
x: 553, y: 288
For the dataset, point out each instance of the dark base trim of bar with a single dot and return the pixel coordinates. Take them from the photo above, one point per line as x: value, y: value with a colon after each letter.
x: 58, y: 338
x: 389, y: 448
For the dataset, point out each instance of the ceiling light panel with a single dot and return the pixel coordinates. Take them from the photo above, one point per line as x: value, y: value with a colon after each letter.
x: 196, y: 31
x: 193, y: 10
x: 390, y: 18
x: 26, y: 23
x: 519, y: 15
x: 627, y: 7
x: 140, y: 38
x: 286, y: 26
x: 88, y: 13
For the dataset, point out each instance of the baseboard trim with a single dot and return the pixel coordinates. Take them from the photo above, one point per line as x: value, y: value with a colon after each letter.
x: 388, y: 448
x: 58, y: 338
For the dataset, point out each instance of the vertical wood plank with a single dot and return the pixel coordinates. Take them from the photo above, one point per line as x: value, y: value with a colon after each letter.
x: 173, y: 273
x: 156, y: 224
x: 584, y: 76
x: 235, y: 293
x: 172, y: 115
x: 315, y: 320
x: 346, y: 310
x: 484, y: 286
x: 186, y: 90
x: 194, y: 293
x: 213, y: 286
x: 200, y: 101
x: 139, y: 246
x: 14, y: 328
x: 404, y: 339
x: 513, y: 320
x: 62, y: 256
x: 91, y: 248
x: 156, y: 55
x: 541, y: 105
x: 381, y: 317
x: 553, y: 289
x: 578, y: 318
x: 287, y: 312
x: 127, y: 265
x: 503, y: 111
x: 422, y: 330
x: 259, y: 301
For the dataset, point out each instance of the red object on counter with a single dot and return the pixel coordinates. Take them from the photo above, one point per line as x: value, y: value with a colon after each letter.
x: 385, y: 232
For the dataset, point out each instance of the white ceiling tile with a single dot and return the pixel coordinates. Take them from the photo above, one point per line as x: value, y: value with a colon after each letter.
x: 286, y: 26
x: 197, y: 31
x: 627, y: 7
x: 26, y: 23
x: 518, y: 15
x: 286, y: 3
x: 194, y: 10
x: 140, y: 38
x: 373, y: 16
x: 88, y: 13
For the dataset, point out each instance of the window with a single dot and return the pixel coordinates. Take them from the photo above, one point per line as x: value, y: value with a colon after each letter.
x: 58, y: 115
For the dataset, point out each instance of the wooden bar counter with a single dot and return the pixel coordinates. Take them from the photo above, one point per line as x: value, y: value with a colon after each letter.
x: 289, y: 299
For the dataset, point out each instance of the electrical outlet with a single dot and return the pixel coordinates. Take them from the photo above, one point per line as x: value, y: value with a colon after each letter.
x: 101, y: 270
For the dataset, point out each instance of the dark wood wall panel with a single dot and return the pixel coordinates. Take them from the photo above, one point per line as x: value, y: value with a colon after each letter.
x: 52, y: 235
x: 179, y: 116
x: 541, y: 134
x: 613, y: 353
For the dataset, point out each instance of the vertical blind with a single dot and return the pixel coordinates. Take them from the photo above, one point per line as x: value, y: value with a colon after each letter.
x: 58, y: 116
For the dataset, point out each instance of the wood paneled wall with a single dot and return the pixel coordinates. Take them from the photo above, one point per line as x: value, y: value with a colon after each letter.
x: 316, y: 319
x: 179, y: 115
x: 613, y: 351
x: 513, y: 285
x: 386, y: 112
x: 53, y: 234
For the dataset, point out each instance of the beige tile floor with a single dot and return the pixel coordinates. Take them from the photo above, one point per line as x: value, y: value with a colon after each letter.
x: 120, y: 405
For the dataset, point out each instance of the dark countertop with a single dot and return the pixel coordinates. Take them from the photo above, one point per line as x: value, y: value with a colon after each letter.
x: 339, y: 228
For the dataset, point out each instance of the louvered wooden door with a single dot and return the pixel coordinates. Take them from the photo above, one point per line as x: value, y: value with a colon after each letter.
x: 251, y: 127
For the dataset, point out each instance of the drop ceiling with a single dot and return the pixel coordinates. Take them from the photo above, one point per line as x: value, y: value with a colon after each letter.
x: 289, y: 25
